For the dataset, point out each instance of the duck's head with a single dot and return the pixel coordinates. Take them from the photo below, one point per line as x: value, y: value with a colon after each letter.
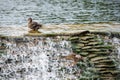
x: 29, y: 20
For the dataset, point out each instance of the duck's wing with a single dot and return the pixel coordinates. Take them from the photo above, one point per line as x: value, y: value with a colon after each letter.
x: 34, y: 24
x: 40, y: 25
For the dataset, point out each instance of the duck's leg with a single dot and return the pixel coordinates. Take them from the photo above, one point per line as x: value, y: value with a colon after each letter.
x: 37, y: 27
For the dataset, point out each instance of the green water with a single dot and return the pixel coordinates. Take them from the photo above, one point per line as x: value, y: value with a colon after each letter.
x: 16, y: 12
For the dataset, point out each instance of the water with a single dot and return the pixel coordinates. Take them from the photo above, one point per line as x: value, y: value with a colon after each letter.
x: 16, y: 12
x: 115, y: 56
x: 37, y: 58
x: 116, y: 42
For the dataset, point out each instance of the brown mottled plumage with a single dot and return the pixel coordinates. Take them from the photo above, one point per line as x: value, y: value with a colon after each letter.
x: 75, y: 57
x: 33, y: 25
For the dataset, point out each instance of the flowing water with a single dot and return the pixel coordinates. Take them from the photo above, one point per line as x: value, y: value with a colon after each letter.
x: 116, y: 42
x: 16, y: 12
x: 115, y: 56
x: 37, y: 58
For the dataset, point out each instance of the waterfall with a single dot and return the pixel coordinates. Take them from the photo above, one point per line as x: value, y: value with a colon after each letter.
x: 116, y: 42
x: 115, y: 56
x: 37, y: 58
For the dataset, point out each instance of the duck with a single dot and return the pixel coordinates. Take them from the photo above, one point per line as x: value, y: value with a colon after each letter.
x: 33, y: 25
x: 74, y: 57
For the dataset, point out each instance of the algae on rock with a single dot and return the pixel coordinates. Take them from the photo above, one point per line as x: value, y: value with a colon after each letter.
x: 96, y: 54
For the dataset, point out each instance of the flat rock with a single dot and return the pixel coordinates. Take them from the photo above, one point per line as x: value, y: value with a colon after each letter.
x: 58, y: 29
x: 104, y: 66
x: 97, y: 50
x: 103, y: 46
x: 86, y: 38
x: 83, y: 53
x: 100, y: 61
x: 100, y: 58
x: 94, y: 43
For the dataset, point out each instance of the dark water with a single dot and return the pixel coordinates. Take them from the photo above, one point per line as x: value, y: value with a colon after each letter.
x: 16, y: 12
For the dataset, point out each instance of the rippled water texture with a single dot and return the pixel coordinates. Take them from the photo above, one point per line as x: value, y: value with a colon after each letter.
x: 16, y: 12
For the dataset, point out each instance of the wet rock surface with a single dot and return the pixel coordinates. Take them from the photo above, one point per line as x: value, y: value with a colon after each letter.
x: 97, y: 55
x: 109, y: 29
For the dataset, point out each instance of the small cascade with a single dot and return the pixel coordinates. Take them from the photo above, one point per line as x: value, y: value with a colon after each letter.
x: 101, y: 56
x: 58, y: 58
x: 116, y: 52
x: 37, y: 58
